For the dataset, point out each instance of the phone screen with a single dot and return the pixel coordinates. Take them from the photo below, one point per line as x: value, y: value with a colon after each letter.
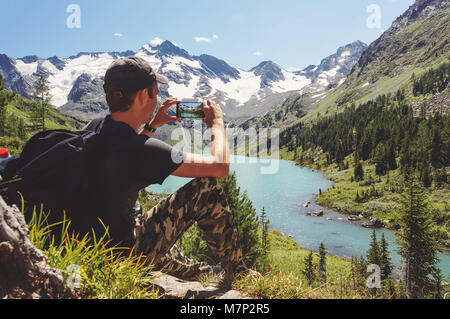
x: 190, y: 110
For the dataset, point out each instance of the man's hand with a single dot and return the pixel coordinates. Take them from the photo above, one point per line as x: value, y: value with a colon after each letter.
x: 213, y: 112
x: 161, y: 117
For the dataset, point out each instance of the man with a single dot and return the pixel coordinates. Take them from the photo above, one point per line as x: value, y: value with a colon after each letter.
x: 129, y: 160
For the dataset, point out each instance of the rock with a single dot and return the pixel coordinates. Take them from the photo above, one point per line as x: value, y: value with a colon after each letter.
x: 306, y: 204
x: 318, y: 213
x: 170, y: 287
x: 353, y: 218
x: 23, y: 268
x: 373, y: 223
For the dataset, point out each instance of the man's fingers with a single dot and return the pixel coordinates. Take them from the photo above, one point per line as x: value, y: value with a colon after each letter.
x: 169, y: 102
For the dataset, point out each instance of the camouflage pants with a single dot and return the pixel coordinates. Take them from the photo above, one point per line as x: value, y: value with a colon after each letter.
x: 202, y: 201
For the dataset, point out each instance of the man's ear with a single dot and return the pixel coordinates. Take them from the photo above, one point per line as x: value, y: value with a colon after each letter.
x: 140, y: 95
x: 150, y: 93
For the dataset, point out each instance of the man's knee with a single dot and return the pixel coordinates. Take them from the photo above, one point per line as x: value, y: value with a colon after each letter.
x: 206, y: 182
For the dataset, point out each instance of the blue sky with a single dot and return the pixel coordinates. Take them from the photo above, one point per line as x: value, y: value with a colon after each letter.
x: 292, y: 33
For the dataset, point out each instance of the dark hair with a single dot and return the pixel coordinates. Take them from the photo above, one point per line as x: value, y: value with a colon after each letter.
x: 123, y: 79
x: 120, y: 101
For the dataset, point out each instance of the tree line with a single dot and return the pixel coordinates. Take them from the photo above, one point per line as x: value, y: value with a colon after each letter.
x: 380, y: 131
x: 432, y: 81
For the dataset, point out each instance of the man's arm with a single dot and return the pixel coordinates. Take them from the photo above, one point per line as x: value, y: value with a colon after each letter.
x: 217, y: 164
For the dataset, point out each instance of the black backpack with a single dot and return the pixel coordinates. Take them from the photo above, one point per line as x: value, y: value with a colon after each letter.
x: 55, y: 170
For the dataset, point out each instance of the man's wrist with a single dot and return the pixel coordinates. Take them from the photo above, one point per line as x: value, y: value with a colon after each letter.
x: 218, y: 121
x: 150, y: 127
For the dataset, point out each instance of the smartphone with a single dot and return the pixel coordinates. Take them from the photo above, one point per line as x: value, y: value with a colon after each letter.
x: 193, y: 110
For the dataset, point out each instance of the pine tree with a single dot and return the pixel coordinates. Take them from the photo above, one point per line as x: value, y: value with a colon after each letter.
x: 41, y: 96
x: 264, y: 238
x: 21, y: 130
x: 425, y: 175
x: 245, y: 218
x: 373, y: 254
x: 359, y: 172
x: 380, y: 160
x: 392, y: 164
x: 385, y: 264
x: 436, y: 149
x: 308, y: 270
x: 417, y: 245
x: 322, y: 263
x: 3, y: 114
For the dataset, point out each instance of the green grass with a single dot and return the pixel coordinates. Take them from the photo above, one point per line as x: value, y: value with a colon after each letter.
x: 88, y: 263
x: 285, y: 280
x: 19, y: 106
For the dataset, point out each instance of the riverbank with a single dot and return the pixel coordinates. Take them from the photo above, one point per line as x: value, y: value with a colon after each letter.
x: 376, y: 197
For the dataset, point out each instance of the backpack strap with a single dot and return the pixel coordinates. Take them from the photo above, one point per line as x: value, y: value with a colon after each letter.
x: 95, y: 125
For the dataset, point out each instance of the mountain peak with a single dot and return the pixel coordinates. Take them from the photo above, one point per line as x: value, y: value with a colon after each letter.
x: 336, y: 66
x: 269, y: 72
x: 218, y: 67
x: 168, y: 48
x: 266, y: 65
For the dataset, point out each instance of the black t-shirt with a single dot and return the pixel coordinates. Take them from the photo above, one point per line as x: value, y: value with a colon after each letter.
x: 124, y: 163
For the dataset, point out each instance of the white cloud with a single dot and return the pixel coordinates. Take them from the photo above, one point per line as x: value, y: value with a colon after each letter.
x: 156, y: 41
x: 258, y: 53
x: 202, y: 39
x: 207, y: 40
x: 118, y: 34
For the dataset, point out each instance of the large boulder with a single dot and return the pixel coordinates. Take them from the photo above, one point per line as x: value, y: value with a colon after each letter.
x: 24, y: 272
x: 373, y: 223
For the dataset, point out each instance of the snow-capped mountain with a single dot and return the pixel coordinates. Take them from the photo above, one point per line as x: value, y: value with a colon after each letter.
x: 334, y: 68
x: 76, y: 82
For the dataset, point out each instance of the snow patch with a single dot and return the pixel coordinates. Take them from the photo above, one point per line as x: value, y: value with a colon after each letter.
x: 61, y: 82
x: 332, y: 72
x: 341, y: 81
x: 175, y: 62
x: 26, y: 68
x: 183, y: 91
x: 47, y: 65
x: 241, y: 89
x: 318, y: 95
x: 291, y: 82
x: 365, y: 84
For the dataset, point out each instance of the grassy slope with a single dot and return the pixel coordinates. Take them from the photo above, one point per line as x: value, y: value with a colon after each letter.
x: 404, y: 53
x: 286, y: 281
x: 55, y: 119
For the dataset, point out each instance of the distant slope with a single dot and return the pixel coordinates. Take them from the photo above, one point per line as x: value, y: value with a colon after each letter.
x: 416, y: 41
x: 15, y: 113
